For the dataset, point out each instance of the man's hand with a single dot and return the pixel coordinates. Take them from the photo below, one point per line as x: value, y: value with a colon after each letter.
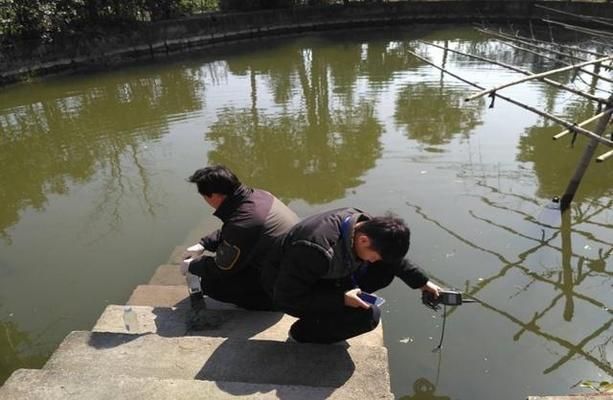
x: 352, y: 299
x: 196, y: 249
x: 432, y: 288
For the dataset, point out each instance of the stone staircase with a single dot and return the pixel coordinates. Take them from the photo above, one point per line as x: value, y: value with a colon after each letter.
x: 246, y: 354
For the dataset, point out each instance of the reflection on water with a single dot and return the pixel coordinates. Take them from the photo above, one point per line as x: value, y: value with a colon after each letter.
x: 322, y: 121
x: 435, y: 115
x: 50, y: 139
x: 423, y: 390
x: 566, y: 278
x: 297, y: 157
x: 18, y: 350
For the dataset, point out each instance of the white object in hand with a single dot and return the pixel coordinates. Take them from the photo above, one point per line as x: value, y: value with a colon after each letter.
x: 185, y: 266
x: 196, y: 249
x: 130, y: 319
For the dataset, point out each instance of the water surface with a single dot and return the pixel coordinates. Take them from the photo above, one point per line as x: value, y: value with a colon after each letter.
x: 94, y: 196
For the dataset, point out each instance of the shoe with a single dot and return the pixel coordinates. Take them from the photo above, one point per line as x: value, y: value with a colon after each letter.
x: 196, y: 301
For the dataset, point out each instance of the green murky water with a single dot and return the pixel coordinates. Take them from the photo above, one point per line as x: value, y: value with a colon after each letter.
x: 93, y: 196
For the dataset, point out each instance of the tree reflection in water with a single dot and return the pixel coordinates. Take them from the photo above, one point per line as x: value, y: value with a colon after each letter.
x: 51, y: 140
x: 18, y: 350
x: 319, y: 149
x: 565, y: 280
x: 434, y: 116
x: 295, y: 159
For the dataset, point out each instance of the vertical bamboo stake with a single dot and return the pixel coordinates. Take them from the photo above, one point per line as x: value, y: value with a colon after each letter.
x: 567, y: 269
x: 588, y: 153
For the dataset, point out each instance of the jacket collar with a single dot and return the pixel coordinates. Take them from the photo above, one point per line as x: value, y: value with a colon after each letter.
x: 348, y: 233
x: 231, y: 203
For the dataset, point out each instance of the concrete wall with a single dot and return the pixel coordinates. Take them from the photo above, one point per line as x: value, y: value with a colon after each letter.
x: 148, y: 40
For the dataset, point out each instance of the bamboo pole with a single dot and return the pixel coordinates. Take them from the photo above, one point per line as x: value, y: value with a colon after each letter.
x: 547, y: 115
x: 583, y: 164
x: 601, y: 43
x: 585, y: 71
x: 537, y: 76
x: 593, y: 32
x: 582, y: 124
x: 525, y: 40
x: 511, y: 38
x: 578, y: 16
x: 523, y: 71
x: 604, y: 156
x: 559, y: 53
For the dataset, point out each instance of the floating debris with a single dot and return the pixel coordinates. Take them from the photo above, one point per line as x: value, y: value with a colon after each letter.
x: 407, y: 339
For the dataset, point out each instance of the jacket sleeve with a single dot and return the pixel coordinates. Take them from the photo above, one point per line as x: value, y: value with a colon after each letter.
x: 294, y: 291
x: 411, y: 274
x: 233, y: 252
x: 211, y: 241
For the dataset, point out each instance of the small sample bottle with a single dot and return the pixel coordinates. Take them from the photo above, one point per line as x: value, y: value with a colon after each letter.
x: 130, y: 319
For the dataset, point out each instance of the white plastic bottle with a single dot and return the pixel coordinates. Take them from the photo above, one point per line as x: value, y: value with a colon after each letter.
x: 130, y: 319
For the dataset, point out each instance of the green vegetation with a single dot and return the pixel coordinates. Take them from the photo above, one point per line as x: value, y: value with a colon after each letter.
x: 45, y: 20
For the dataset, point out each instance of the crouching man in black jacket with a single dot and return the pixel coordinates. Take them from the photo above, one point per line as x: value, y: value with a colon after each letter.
x: 253, y: 222
x: 326, y: 260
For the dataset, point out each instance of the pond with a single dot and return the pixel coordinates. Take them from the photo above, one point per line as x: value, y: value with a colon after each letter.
x: 94, y: 196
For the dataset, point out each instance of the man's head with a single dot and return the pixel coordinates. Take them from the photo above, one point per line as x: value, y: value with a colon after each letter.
x: 215, y: 183
x: 382, y: 238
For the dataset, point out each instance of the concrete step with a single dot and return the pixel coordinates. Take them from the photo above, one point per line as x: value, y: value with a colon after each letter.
x: 167, y: 274
x: 171, y: 322
x: 169, y: 296
x: 56, y: 385
x: 360, y: 368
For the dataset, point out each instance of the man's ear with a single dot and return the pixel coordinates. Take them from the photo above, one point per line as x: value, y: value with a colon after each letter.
x: 363, y: 240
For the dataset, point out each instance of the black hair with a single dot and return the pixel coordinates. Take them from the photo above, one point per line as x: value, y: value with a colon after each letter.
x: 389, y: 236
x: 215, y: 179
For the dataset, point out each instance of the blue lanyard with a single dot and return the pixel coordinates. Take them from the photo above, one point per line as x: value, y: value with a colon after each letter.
x: 345, y: 226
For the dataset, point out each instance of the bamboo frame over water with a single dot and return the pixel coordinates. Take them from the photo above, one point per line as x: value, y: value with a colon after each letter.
x: 589, y: 18
x: 587, y: 121
x: 584, y: 162
x: 588, y: 31
x: 594, y: 137
x: 523, y: 71
x: 569, y: 125
x: 556, y: 52
x: 527, y: 41
x: 544, y: 55
x: 537, y: 76
x: 582, y: 70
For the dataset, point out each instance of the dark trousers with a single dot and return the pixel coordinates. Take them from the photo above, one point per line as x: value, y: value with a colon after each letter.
x: 242, y: 289
x: 330, y: 327
x: 334, y: 327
